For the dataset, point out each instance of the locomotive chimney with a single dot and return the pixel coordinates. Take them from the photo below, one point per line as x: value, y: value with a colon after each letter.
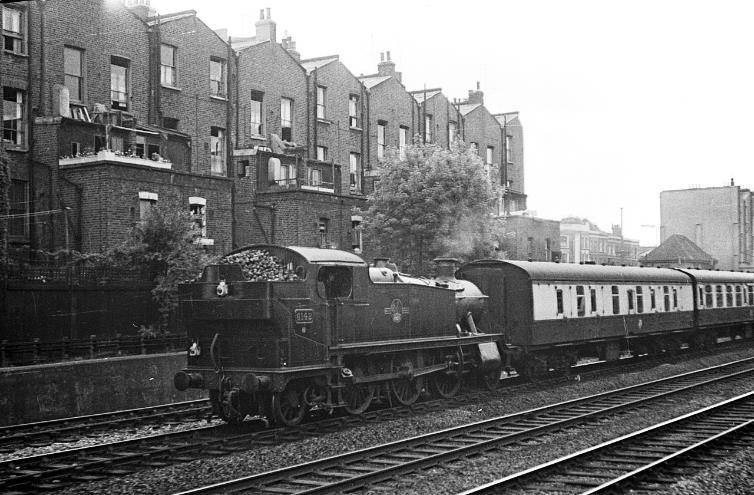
x: 446, y: 268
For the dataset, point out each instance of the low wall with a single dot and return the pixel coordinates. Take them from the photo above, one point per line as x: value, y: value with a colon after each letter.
x: 50, y: 391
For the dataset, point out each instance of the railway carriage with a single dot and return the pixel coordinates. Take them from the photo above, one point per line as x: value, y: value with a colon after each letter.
x: 724, y: 304
x: 555, y: 313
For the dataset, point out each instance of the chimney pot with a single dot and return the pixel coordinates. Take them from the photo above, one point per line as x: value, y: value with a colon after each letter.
x: 268, y: 12
x: 382, y: 56
x: 261, y: 14
x: 477, y: 85
x: 388, y: 56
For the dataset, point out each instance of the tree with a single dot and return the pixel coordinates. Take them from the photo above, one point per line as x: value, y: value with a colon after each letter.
x: 435, y: 202
x: 164, y: 243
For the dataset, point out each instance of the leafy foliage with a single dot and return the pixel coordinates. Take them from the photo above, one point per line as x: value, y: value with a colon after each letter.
x: 165, y: 244
x: 435, y: 202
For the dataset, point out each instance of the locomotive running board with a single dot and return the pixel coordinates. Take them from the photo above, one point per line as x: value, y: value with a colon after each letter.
x: 421, y: 343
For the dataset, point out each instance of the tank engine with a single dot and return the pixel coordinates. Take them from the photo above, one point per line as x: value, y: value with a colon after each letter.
x: 279, y: 331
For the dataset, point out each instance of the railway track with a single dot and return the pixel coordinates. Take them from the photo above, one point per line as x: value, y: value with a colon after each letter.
x: 96, y: 462
x: 91, y: 463
x: 645, y: 461
x: 68, y: 429
x: 377, y: 466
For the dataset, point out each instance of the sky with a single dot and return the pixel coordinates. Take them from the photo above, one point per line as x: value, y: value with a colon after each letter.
x: 619, y: 100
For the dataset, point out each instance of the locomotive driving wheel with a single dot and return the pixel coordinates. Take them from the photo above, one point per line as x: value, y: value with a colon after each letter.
x: 289, y: 406
x: 447, y: 383
x: 358, y: 397
x: 407, y: 390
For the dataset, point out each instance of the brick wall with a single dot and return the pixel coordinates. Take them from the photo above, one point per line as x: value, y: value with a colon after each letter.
x: 270, y: 69
x: 443, y: 112
x: 102, y: 29
x: 334, y: 132
x: 390, y: 102
x: 189, y: 99
x: 110, y: 200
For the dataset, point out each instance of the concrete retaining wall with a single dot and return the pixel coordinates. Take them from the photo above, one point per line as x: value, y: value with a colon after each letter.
x: 50, y: 391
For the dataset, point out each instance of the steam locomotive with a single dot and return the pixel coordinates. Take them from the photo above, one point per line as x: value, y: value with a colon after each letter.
x: 278, y: 332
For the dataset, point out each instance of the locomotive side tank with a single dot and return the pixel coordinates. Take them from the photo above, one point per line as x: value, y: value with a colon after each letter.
x: 280, y: 331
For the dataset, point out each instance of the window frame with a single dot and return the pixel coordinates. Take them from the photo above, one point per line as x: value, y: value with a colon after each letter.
x: 124, y: 102
x: 18, y: 132
x: 79, y: 78
x: 286, y: 117
x: 17, y: 38
x: 256, y: 99
x: 353, y: 111
x: 381, y: 136
x: 428, y: 127
x: 354, y: 171
x: 222, y: 85
x: 218, y: 161
x: 321, y: 102
x: 171, y: 68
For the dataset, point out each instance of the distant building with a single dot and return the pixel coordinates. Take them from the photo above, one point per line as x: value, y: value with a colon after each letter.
x: 717, y: 219
x: 679, y: 252
x: 581, y: 241
x: 531, y: 238
x: 512, y: 173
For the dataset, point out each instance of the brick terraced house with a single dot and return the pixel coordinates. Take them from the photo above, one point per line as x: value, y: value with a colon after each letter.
x: 110, y: 109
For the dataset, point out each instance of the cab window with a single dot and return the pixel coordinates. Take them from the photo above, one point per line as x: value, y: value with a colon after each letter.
x: 334, y: 282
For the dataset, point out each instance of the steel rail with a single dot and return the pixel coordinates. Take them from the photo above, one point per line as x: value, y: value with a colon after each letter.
x: 53, y: 428
x: 619, y: 463
x: 370, y: 466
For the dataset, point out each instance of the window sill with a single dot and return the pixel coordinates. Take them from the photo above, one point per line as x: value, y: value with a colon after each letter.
x: 324, y: 121
x: 172, y: 88
x: 357, y: 129
x: 219, y: 98
x: 17, y: 149
x: 16, y: 54
x: 259, y: 137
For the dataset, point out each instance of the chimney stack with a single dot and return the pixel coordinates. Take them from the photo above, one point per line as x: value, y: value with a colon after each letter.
x: 290, y: 46
x: 476, y: 96
x: 265, y: 27
x: 141, y: 8
x: 386, y: 67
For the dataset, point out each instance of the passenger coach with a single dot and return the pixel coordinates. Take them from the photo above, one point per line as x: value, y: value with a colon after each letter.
x: 556, y: 313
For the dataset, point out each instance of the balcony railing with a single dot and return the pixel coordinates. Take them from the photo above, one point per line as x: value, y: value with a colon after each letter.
x: 117, y: 157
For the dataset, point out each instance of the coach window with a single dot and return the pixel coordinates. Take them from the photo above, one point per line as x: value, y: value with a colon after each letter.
x: 593, y: 300
x: 559, y: 300
x: 718, y: 296
x: 630, y: 298
x: 616, y: 300
x: 675, y: 298
x: 639, y: 299
x: 751, y: 295
x: 580, y: 300
x: 700, y: 297
x: 666, y: 297
x: 728, y: 296
x: 334, y: 282
x: 739, y: 299
x: 708, y: 299
x: 652, y: 299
